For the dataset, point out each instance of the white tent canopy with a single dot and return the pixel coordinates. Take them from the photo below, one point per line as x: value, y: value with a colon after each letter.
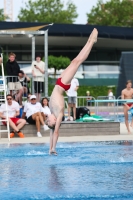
x: 31, y: 32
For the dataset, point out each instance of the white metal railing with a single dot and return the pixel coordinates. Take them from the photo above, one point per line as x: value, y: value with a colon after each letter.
x: 105, y: 108
x: 82, y: 100
x: 29, y: 84
x: 3, y: 99
x: 115, y: 103
x: 99, y: 106
x: 102, y: 106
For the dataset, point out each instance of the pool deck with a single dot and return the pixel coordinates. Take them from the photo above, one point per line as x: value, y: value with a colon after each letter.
x: 122, y: 136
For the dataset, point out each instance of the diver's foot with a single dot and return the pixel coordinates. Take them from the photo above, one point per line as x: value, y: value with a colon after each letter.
x: 93, y: 36
x: 53, y: 152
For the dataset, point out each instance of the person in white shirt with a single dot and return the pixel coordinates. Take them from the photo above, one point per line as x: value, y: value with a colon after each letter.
x: 110, y: 97
x: 33, y: 112
x: 45, y: 106
x: 72, y: 97
x: 13, y: 111
x: 38, y: 70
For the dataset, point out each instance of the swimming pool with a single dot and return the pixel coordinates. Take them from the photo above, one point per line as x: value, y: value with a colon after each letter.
x: 86, y: 170
x: 121, y: 118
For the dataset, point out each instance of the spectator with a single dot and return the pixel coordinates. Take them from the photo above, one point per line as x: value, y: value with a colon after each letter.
x: 13, y: 111
x: 110, y: 97
x: 13, y: 69
x: 28, y: 99
x: 24, y: 80
x: 34, y: 114
x: 45, y: 107
x: 38, y: 67
x: 72, y: 97
x: 89, y: 98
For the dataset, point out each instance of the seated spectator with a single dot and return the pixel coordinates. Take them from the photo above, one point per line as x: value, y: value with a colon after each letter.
x: 45, y: 106
x: 24, y: 80
x: 28, y: 99
x: 13, y: 111
x: 88, y: 98
x: 34, y: 114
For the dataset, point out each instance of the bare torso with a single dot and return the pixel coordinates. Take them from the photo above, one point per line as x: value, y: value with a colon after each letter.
x: 56, y: 103
x: 127, y: 93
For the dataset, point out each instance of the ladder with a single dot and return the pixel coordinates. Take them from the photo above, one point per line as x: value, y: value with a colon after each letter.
x: 3, y: 92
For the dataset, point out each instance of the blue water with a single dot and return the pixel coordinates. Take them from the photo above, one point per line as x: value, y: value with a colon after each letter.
x: 121, y: 118
x: 89, y: 170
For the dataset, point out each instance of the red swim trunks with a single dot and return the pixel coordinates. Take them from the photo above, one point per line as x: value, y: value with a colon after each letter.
x: 129, y: 104
x: 14, y: 120
x: 65, y: 87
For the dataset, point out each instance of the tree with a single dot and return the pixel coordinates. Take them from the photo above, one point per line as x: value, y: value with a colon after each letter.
x: 2, y: 16
x: 112, y: 13
x: 58, y: 62
x: 48, y: 11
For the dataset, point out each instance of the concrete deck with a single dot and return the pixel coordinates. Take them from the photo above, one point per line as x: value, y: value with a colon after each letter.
x: 122, y: 136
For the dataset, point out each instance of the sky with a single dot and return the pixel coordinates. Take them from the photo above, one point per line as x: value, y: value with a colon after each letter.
x: 83, y: 7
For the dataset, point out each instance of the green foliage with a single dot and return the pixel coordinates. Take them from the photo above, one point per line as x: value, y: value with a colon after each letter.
x: 112, y: 13
x: 48, y: 11
x: 58, y: 62
x: 2, y: 16
x: 95, y: 91
x: 50, y: 86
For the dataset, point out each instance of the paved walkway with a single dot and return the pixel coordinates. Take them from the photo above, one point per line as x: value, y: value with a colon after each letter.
x: 123, y: 136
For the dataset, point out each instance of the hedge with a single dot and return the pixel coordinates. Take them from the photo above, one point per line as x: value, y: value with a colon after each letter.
x: 94, y: 90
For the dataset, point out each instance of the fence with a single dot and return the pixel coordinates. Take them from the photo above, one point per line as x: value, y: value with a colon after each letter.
x: 103, y: 106
x: 116, y: 111
x: 108, y: 109
x: 28, y: 84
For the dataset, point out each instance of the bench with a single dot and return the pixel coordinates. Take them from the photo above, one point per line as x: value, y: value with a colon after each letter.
x: 68, y: 129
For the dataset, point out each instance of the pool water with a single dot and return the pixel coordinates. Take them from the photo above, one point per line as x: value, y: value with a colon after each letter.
x: 121, y: 118
x: 86, y: 170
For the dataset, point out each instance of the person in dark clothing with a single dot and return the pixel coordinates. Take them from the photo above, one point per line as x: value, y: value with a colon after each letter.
x: 13, y: 69
x: 24, y: 80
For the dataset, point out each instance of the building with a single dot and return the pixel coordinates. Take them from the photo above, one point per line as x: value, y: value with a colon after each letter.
x: 67, y: 40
